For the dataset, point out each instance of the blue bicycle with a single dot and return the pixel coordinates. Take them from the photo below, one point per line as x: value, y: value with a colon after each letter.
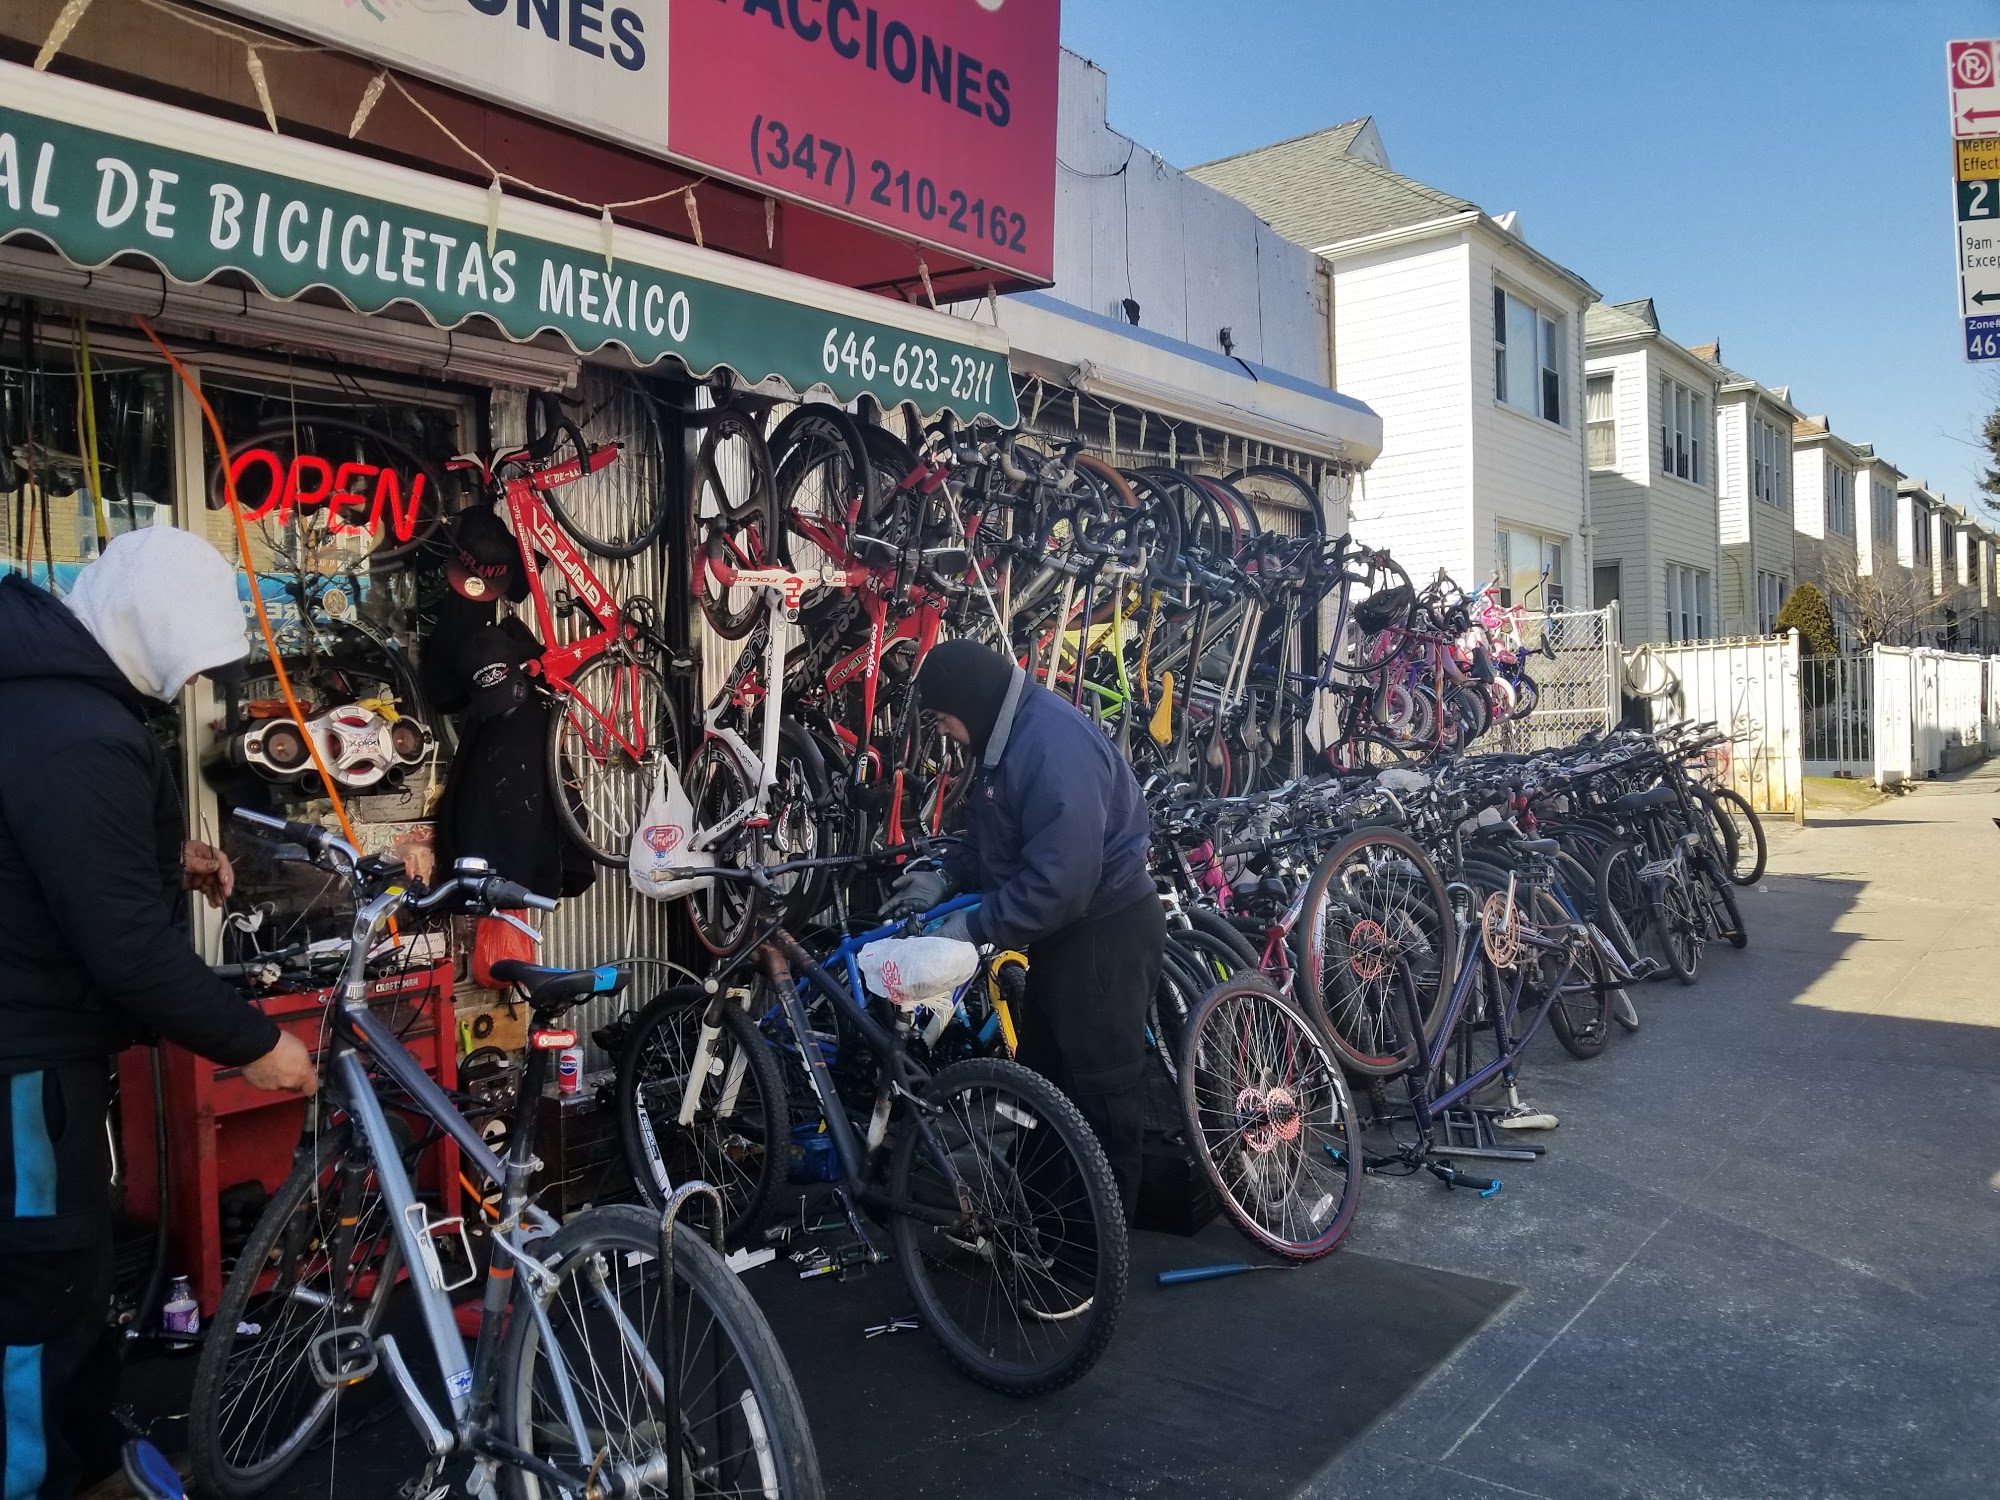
x: 1002, y: 1212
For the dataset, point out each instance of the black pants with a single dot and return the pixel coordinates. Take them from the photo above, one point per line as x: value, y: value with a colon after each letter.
x: 1083, y: 1026
x: 59, y: 1364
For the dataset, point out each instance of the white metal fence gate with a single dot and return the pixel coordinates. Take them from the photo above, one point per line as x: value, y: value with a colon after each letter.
x: 1750, y: 688
x: 1577, y: 691
x: 1897, y: 712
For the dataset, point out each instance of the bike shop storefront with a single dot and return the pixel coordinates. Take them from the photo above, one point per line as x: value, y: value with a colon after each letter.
x: 345, y: 326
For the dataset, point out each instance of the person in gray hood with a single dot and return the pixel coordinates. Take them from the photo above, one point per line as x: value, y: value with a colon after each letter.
x: 94, y: 955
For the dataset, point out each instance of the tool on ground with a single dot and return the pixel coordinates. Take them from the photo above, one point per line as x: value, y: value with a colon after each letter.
x: 1211, y: 1273
x: 893, y: 1326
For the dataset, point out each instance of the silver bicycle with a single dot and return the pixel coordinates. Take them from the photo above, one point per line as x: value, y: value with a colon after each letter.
x: 592, y: 1375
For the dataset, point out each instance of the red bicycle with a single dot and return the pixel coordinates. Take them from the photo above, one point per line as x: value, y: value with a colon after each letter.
x: 616, y: 725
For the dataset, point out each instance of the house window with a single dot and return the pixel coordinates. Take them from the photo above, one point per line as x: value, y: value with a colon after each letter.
x: 1881, y: 511
x: 1768, y: 461
x: 1683, y: 417
x: 1527, y: 357
x: 1839, y: 501
x: 1602, y: 418
x: 1920, y: 528
x: 1687, y: 603
x: 1772, y: 589
x: 1530, y: 566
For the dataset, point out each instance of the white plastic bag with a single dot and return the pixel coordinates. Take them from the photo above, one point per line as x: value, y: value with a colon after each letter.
x: 910, y: 971
x: 660, y: 843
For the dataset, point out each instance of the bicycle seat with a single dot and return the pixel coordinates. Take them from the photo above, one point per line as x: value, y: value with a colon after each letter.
x: 1536, y: 846
x: 552, y: 990
x: 1645, y: 801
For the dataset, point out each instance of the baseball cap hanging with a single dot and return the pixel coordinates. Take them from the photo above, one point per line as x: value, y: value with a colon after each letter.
x: 485, y: 561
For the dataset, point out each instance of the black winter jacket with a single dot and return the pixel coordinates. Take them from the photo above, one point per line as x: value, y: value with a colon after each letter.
x: 1056, y: 827
x: 93, y: 944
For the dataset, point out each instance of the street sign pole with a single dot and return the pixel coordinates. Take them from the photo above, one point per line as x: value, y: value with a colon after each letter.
x: 1972, y: 71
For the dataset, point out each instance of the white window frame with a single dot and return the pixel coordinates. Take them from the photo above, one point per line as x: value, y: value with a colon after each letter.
x: 1920, y: 533
x: 1556, y: 593
x: 1683, y: 427
x: 1772, y: 591
x: 1604, y: 383
x: 1839, y: 507
x: 1881, y: 511
x: 1690, y: 601
x: 1768, y: 463
x: 1545, y: 398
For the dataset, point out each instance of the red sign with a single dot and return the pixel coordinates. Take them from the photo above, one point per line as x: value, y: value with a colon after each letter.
x: 267, y: 485
x: 934, y: 119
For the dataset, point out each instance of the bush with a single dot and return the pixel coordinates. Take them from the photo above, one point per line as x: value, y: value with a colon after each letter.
x: 1806, y: 612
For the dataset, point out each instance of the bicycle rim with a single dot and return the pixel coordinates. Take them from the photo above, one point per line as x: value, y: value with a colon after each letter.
x: 613, y: 707
x: 1272, y: 1119
x: 618, y: 511
x: 739, y: 1427
x: 1025, y: 1296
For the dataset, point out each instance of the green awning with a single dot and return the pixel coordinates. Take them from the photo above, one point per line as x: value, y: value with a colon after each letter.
x: 99, y: 175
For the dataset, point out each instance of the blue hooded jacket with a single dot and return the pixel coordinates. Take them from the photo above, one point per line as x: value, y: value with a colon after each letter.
x: 1056, y: 827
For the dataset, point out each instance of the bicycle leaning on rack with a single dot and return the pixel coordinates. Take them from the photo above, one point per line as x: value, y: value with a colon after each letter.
x: 592, y: 1373
x: 1002, y: 1210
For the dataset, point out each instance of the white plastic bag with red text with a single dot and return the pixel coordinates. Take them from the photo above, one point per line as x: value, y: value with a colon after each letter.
x: 660, y: 844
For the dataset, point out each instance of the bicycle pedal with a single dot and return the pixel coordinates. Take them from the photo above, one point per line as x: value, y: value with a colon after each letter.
x: 342, y: 1357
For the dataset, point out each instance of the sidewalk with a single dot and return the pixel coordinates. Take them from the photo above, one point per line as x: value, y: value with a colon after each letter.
x: 1762, y: 1258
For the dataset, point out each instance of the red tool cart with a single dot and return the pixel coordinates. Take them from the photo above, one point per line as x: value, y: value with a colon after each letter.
x: 221, y: 1131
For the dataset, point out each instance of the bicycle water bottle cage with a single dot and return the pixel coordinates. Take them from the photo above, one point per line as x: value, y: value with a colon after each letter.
x: 342, y: 1357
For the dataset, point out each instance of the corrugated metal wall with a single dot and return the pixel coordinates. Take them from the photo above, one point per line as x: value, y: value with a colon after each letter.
x: 611, y: 920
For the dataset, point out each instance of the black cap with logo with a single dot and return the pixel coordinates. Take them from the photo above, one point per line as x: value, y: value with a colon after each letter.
x: 485, y: 562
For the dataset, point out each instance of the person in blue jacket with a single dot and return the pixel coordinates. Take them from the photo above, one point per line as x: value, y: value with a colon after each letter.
x: 1056, y: 835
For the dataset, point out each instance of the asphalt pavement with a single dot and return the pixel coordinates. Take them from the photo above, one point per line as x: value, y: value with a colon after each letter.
x: 1762, y: 1256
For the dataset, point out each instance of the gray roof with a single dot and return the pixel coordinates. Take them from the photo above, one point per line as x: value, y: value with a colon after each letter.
x: 1314, y: 191
x: 1617, y: 320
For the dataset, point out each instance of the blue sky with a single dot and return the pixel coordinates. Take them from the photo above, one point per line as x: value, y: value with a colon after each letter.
x: 1775, y: 174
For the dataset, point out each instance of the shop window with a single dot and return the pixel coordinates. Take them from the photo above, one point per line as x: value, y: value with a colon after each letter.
x: 342, y: 489
x: 61, y: 494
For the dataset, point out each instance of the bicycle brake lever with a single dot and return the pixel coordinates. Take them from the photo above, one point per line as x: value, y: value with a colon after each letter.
x: 515, y: 922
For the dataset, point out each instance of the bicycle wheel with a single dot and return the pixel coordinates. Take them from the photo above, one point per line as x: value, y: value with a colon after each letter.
x: 740, y: 1428
x: 618, y: 511
x: 1216, y: 934
x: 738, y: 1140
x: 824, y: 485
x: 1182, y: 984
x: 723, y: 911
x: 1581, y: 1014
x: 1719, y: 893
x: 1377, y: 927
x: 1281, y: 489
x: 306, y: 1269
x: 1271, y: 1119
x: 732, y: 520
x: 1742, y: 830
x: 608, y: 737
x: 1625, y: 909
x: 1024, y: 1296
x: 1679, y: 925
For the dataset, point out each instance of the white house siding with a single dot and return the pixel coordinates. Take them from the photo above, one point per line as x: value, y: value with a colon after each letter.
x: 1809, y: 490
x: 1618, y: 495
x: 1734, y: 492
x: 1402, y: 335
x: 1528, y: 472
x: 1184, y: 253
x: 1682, y: 514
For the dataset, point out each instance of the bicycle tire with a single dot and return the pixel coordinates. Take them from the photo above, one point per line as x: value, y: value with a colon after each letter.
x: 1583, y: 1023
x: 602, y: 823
x: 1721, y: 899
x: 615, y: 517
x: 740, y: 1407
x: 1257, y: 1073
x: 218, y: 1469
x: 744, y: 1154
x: 1348, y: 941
x: 824, y: 484
x: 1179, y: 991
x: 1222, y: 933
x: 1623, y: 897
x: 1740, y: 818
x: 1284, y: 488
x: 1101, y: 1267
x: 732, y: 519
x: 1679, y: 926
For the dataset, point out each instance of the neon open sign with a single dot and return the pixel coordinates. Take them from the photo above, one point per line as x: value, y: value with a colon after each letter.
x: 358, y: 497
x: 328, y: 484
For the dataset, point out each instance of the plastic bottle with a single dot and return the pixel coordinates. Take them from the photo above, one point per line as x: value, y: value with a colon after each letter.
x: 181, y: 1316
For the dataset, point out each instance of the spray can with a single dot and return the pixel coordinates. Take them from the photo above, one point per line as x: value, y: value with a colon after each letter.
x: 181, y: 1314
x: 569, y: 1070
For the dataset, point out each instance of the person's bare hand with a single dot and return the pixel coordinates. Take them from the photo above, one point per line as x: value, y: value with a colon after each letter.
x: 286, y: 1069
x: 206, y: 869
